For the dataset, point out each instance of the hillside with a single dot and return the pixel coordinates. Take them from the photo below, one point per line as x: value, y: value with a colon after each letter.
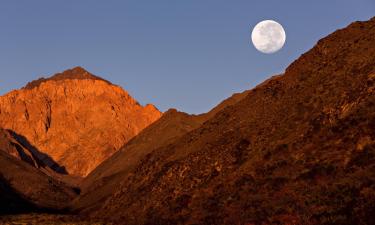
x: 102, y: 182
x: 24, y: 188
x: 298, y: 149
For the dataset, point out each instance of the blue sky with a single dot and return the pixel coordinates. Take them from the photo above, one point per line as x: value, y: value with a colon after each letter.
x: 187, y: 54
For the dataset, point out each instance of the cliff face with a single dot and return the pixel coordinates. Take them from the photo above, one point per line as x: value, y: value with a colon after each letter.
x: 76, y: 118
x: 298, y: 149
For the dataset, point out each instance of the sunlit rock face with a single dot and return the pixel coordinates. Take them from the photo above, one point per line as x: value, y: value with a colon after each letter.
x: 76, y: 118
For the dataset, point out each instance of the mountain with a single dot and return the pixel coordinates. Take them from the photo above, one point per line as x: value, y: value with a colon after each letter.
x: 99, y: 184
x: 24, y: 188
x: 75, y: 118
x: 297, y: 149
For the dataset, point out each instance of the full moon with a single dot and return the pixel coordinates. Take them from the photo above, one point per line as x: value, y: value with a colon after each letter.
x: 268, y: 36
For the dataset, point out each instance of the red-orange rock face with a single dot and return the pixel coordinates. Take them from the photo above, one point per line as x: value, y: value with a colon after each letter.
x: 76, y: 118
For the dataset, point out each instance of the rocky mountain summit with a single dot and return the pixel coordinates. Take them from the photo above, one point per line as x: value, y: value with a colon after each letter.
x: 76, y: 118
x: 77, y: 73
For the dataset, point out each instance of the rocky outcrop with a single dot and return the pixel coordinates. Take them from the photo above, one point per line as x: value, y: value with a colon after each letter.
x: 18, y: 147
x: 74, y: 117
x: 11, y: 146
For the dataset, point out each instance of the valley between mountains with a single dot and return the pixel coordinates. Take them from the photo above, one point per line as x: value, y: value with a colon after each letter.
x: 297, y: 149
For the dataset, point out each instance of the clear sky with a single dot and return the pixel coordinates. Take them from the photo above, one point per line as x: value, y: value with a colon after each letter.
x: 184, y: 54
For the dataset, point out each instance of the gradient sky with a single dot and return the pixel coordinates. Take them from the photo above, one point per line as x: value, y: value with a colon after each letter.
x: 184, y: 54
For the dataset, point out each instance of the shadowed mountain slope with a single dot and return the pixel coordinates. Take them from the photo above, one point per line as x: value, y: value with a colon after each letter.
x: 23, y: 188
x: 11, y: 202
x: 76, y: 118
x: 298, y: 149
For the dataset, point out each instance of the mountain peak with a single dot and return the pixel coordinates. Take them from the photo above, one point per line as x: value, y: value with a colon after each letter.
x: 77, y: 124
x: 76, y: 73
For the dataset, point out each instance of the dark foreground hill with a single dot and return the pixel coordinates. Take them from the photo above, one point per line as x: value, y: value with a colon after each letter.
x: 101, y: 183
x: 24, y: 188
x: 298, y: 149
